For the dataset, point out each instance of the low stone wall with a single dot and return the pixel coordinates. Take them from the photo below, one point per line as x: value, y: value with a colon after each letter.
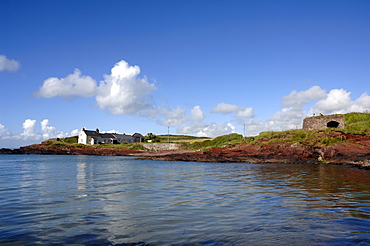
x: 161, y: 146
x: 321, y: 122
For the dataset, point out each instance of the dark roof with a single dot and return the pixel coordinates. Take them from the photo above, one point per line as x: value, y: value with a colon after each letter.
x: 107, y: 135
x: 121, y: 135
x: 92, y: 133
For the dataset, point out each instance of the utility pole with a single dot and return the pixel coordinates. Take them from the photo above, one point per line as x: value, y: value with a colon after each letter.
x: 168, y: 134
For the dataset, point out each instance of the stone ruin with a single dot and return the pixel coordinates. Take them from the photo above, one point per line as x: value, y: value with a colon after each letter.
x: 323, y: 122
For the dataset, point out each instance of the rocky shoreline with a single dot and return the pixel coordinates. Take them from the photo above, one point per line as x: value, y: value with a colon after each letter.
x: 355, y: 151
x: 339, y: 154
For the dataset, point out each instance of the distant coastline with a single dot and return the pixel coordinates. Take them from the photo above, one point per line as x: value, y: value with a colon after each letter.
x: 333, y: 139
x: 354, y: 151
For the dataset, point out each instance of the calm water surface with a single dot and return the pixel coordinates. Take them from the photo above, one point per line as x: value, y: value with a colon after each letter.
x: 105, y: 200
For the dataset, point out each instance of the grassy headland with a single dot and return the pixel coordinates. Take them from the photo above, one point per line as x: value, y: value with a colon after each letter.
x: 355, y: 123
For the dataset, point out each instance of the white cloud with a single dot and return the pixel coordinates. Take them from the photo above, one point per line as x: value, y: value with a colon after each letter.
x: 175, y: 117
x: 338, y: 101
x: 47, y: 131
x: 193, y: 123
x: 202, y: 129
x: 197, y: 114
x: 216, y: 129
x: 30, y: 133
x: 122, y: 92
x: 4, y: 133
x: 361, y: 104
x: 254, y: 126
x: 239, y: 112
x: 172, y: 117
x: 73, y: 85
x: 8, y: 64
x: 287, y: 118
x: 303, y: 97
x: 225, y: 108
x: 244, y: 113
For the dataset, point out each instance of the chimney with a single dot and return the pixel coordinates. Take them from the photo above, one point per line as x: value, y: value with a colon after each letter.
x: 97, y: 130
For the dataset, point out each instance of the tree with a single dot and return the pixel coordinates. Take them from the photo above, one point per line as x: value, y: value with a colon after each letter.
x: 150, y: 137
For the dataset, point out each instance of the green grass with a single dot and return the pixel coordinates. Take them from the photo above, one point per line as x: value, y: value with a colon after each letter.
x: 60, y: 143
x: 120, y: 146
x: 358, y: 123
x: 313, y: 137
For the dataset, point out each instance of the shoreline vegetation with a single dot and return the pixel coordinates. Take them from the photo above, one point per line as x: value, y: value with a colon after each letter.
x: 347, y: 146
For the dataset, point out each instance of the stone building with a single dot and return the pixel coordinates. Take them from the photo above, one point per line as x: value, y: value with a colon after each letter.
x: 322, y: 122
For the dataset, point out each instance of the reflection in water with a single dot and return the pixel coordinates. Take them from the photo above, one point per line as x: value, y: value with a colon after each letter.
x: 119, y: 200
x: 81, y: 175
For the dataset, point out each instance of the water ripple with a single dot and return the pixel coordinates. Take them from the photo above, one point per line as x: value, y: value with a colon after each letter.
x: 97, y: 200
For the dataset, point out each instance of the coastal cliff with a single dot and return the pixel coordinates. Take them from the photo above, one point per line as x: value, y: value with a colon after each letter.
x: 331, y: 147
x: 354, y: 152
x: 46, y: 148
x: 340, y: 139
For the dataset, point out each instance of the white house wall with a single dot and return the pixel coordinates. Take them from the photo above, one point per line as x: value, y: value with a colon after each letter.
x: 83, y: 138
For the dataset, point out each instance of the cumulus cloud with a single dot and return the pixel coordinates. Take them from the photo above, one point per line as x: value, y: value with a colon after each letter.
x: 286, y: 118
x: 339, y: 101
x: 47, y: 131
x: 192, y: 123
x: 4, y: 133
x: 175, y: 117
x: 216, y: 129
x: 291, y: 115
x: 203, y: 129
x: 122, y: 92
x: 239, y: 112
x: 336, y: 101
x: 8, y: 64
x: 73, y: 85
x: 30, y: 133
x: 197, y: 114
x: 172, y: 117
x: 361, y: 104
x: 296, y: 98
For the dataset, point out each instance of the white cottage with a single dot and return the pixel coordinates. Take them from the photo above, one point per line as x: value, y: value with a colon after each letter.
x: 95, y: 137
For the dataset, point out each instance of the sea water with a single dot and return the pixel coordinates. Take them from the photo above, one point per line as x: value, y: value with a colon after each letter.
x: 108, y: 200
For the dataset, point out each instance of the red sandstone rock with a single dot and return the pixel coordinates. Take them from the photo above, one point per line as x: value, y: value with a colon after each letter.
x: 355, y: 151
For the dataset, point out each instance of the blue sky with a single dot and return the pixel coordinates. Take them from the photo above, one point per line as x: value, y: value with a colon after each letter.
x: 203, y: 68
